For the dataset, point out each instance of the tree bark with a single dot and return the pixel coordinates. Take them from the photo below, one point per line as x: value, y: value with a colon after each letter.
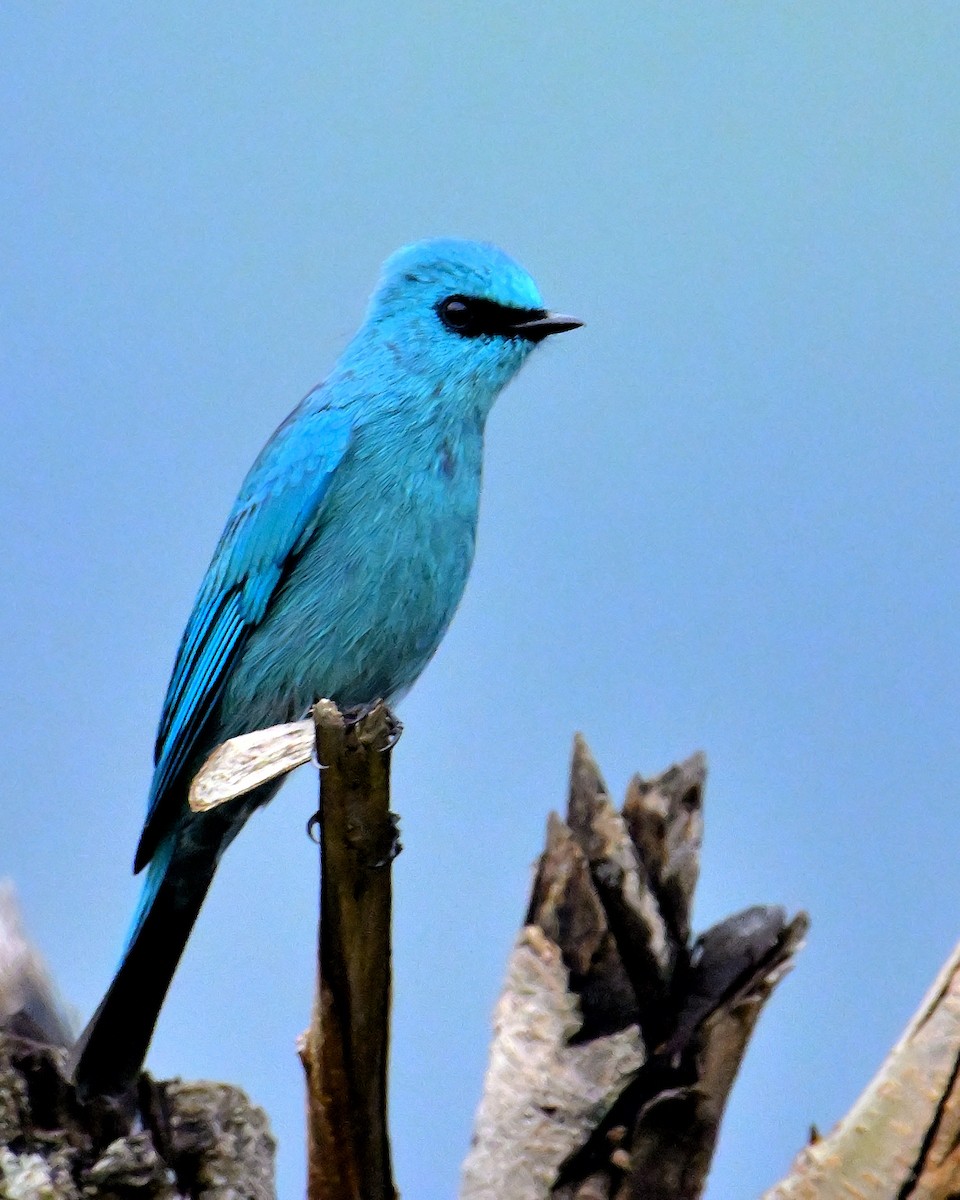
x: 196, y: 1141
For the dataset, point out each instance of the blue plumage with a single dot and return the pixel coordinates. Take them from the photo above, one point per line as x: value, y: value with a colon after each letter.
x: 338, y: 572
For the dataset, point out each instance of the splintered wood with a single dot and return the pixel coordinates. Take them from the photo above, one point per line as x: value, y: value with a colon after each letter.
x: 616, y: 1039
x: 241, y: 764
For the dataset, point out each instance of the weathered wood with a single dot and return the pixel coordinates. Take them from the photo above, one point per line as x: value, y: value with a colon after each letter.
x: 604, y: 984
x: 901, y: 1140
x: 29, y: 1004
x: 346, y: 1048
x: 545, y: 1091
x: 665, y: 819
x: 241, y: 764
x: 187, y: 1141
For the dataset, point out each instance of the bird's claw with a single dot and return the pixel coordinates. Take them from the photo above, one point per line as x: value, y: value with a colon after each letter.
x: 353, y: 716
x: 394, y: 731
x: 393, y: 845
x: 387, y: 854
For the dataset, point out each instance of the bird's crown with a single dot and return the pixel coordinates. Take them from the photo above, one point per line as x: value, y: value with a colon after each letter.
x: 448, y: 266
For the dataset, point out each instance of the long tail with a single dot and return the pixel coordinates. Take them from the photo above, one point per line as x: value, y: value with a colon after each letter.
x: 109, y: 1054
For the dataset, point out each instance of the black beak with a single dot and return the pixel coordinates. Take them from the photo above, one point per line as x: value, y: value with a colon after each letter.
x: 535, y: 329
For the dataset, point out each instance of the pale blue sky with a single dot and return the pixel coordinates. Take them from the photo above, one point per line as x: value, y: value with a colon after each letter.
x: 723, y: 515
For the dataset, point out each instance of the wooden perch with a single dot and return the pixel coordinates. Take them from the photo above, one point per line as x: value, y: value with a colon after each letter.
x: 345, y: 1050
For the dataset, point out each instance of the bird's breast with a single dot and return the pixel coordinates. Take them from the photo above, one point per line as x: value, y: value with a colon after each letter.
x: 369, y: 599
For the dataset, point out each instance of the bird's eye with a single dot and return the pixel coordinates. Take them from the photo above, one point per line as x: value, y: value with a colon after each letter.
x: 476, y: 316
x: 455, y: 314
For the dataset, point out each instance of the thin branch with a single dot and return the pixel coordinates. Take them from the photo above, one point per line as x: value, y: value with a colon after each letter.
x: 346, y: 1048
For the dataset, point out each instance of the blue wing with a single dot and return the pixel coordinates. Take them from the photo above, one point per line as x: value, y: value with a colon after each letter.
x: 278, y: 509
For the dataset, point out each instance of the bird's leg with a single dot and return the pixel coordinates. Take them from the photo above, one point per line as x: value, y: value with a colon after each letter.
x: 393, y: 729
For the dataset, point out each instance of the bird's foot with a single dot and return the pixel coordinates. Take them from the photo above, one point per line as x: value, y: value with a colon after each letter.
x: 386, y: 852
x: 393, y: 725
x: 394, y: 730
x: 391, y: 845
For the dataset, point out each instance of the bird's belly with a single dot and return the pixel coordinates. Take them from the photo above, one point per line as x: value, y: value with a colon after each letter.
x: 356, y: 621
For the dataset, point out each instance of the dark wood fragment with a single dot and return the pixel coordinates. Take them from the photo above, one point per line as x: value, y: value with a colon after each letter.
x: 622, y: 883
x: 565, y: 905
x: 665, y: 818
x: 676, y: 1129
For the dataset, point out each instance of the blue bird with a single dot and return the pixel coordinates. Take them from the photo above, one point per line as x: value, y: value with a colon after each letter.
x: 340, y: 568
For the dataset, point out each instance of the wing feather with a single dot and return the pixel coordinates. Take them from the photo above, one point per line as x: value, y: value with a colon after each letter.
x: 278, y: 509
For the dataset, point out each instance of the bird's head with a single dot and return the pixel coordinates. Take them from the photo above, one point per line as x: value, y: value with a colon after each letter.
x: 461, y: 316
